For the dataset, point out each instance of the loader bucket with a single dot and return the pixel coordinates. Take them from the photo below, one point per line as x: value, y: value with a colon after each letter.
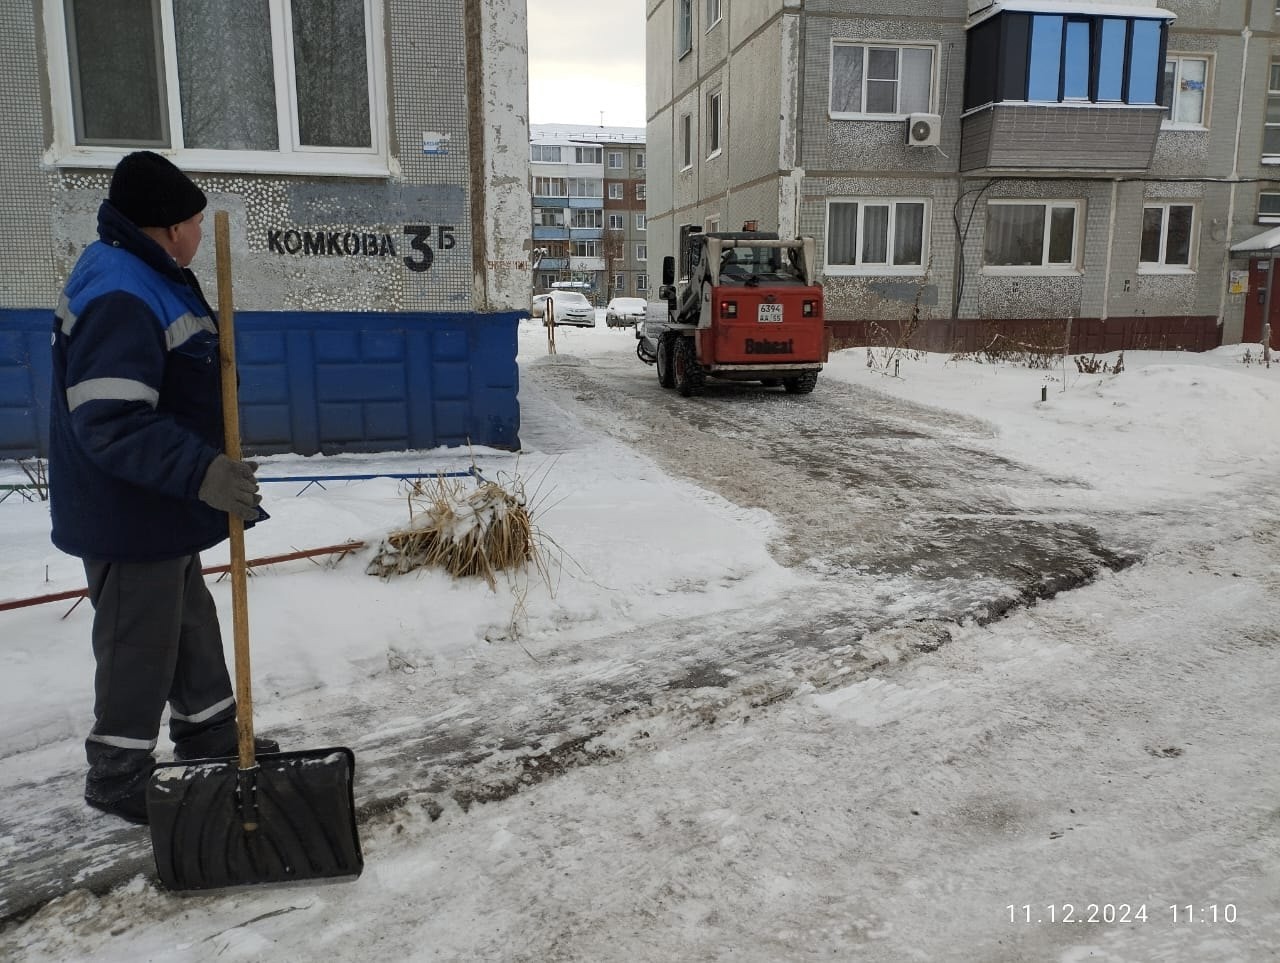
x: 289, y: 817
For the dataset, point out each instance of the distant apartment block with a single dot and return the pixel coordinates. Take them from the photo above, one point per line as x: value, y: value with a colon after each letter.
x: 589, y: 223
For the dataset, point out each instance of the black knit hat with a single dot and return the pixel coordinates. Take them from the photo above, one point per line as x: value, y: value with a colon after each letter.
x: 150, y: 191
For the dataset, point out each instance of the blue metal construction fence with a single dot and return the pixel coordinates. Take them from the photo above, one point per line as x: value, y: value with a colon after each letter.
x: 320, y: 382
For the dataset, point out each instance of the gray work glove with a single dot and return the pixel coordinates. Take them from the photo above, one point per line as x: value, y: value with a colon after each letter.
x: 229, y: 486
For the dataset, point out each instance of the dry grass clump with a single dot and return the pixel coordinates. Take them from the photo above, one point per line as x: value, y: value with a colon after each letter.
x: 467, y: 532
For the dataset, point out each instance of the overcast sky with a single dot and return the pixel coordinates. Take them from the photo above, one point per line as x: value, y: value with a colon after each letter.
x: 586, y: 59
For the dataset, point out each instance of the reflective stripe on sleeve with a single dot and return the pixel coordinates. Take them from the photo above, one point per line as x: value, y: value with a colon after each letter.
x: 208, y: 713
x: 120, y: 742
x: 110, y: 389
x: 66, y: 320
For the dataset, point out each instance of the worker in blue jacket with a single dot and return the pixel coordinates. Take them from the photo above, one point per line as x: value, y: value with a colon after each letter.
x: 139, y: 484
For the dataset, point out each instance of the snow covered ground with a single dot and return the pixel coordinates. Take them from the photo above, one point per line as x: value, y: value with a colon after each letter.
x: 1112, y: 748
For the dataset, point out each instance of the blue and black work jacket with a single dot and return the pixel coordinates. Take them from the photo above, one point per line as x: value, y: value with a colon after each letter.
x: 136, y: 413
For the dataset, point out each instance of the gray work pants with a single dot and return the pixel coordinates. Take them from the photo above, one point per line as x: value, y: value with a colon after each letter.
x: 156, y: 640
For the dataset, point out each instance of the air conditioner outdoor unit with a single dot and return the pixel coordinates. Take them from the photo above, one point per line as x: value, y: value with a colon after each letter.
x: 924, y: 130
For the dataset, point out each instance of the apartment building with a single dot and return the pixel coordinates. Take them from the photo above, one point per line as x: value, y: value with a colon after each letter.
x: 1111, y: 162
x: 588, y: 187
x: 378, y: 233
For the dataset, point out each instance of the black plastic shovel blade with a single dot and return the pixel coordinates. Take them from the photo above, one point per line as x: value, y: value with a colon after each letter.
x: 292, y: 817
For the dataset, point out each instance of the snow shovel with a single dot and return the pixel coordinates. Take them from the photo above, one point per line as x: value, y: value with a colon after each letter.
x: 276, y: 818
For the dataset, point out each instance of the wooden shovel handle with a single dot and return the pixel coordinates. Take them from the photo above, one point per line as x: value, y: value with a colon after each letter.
x: 231, y: 423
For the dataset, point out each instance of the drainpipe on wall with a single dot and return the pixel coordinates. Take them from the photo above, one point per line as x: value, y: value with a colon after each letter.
x: 1245, y: 35
x: 1111, y: 240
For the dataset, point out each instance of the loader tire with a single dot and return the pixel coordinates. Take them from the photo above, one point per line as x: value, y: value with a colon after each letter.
x: 771, y: 382
x: 689, y: 376
x: 801, y: 384
x: 666, y: 377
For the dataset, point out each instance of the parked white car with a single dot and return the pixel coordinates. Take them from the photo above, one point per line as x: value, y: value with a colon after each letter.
x: 624, y: 312
x: 567, y: 307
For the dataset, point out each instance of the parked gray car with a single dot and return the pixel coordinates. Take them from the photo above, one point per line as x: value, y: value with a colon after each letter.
x: 624, y: 312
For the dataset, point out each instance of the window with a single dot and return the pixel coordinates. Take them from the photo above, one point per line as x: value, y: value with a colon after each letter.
x: 1185, y: 83
x: 1032, y: 234
x: 880, y: 80
x: 640, y: 192
x: 640, y: 160
x: 585, y: 248
x: 1268, y: 208
x: 549, y: 187
x: 1064, y: 66
x: 615, y: 192
x: 615, y: 160
x: 616, y: 222
x: 550, y: 218
x: 585, y: 187
x: 876, y: 236
x: 588, y: 155
x: 642, y: 283
x: 713, y: 123
x: 1056, y: 58
x: 1166, y: 235
x: 713, y: 13
x: 619, y: 283
x: 642, y: 252
x: 546, y: 280
x: 712, y: 225
x: 685, y: 30
x: 306, y: 79
x: 587, y: 219
x: 1271, y: 133
x: 686, y: 142
x: 641, y: 222
x: 544, y: 154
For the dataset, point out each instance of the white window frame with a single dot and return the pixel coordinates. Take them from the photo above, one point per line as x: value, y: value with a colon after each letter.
x: 642, y: 283
x: 617, y: 222
x: 711, y: 224
x: 686, y: 139
x: 1168, y: 123
x: 641, y: 192
x: 714, y: 13
x: 616, y: 192
x: 642, y: 252
x: 290, y: 158
x: 1160, y: 266
x: 1269, y: 217
x: 641, y: 222
x: 557, y: 184
x: 866, y: 46
x: 715, y: 121
x: 640, y: 160
x: 619, y: 283
x: 537, y: 153
x: 1273, y: 92
x: 615, y: 160
x: 879, y: 269
x: 684, y: 28
x: 585, y: 247
x: 594, y: 156
x: 1043, y: 268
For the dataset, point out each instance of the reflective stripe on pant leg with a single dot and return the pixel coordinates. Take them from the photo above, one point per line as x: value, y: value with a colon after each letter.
x: 201, y: 698
x: 136, y: 623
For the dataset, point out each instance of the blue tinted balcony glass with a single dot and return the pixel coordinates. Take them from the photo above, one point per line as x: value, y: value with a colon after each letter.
x: 1046, y: 58
x: 1145, y: 67
x: 1075, y: 81
x: 1111, y: 60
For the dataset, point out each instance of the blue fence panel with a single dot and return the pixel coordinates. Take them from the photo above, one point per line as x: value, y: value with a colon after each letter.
x: 321, y: 382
